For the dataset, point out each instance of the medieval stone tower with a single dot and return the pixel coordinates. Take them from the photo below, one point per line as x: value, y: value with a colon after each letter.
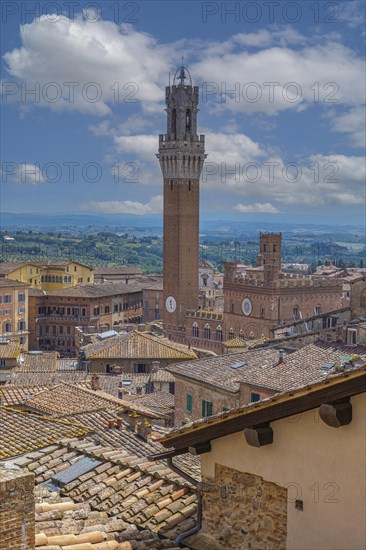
x: 181, y: 156
x: 270, y: 254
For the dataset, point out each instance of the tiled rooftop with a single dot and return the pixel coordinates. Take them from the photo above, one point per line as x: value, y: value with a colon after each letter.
x: 262, y: 367
x: 66, y: 399
x: 9, y: 283
x: 159, y: 401
x: 96, y: 290
x: 9, y: 349
x: 16, y: 377
x: 15, y: 395
x: 22, y: 432
x: 134, y: 345
x: 62, y: 523
x: 235, y: 343
x: 116, y: 270
x: 43, y: 361
x: 124, y: 487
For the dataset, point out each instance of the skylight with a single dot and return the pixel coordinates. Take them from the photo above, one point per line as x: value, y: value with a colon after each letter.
x: 327, y: 366
x: 238, y: 365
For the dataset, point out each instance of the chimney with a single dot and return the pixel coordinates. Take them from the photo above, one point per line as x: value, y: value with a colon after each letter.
x: 281, y: 356
x: 119, y: 423
x: 155, y: 366
x: 95, y: 382
x: 138, y: 390
x: 111, y: 423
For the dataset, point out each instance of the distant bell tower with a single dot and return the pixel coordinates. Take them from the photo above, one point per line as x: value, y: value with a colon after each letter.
x: 270, y: 254
x: 181, y: 156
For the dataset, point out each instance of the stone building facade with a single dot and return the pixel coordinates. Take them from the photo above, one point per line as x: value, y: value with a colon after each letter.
x: 259, y: 299
x: 14, y: 311
x: 54, y: 316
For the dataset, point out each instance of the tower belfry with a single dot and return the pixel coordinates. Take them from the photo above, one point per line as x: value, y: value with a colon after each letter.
x: 181, y: 156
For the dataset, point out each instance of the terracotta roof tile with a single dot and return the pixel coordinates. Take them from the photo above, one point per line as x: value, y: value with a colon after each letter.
x: 22, y: 432
x: 261, y: 367
x: 137, y: 345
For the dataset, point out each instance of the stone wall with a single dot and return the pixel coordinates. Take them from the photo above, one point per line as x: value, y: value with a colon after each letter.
x: 242, y: 511
x: 17, y: 522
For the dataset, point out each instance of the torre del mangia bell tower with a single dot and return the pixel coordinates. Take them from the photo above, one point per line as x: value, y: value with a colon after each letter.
x: 181, y: 156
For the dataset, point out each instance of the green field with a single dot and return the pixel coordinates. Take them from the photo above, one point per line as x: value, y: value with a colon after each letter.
x: 352, y: 246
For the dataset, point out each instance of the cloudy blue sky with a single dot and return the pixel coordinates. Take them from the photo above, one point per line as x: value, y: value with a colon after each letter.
x: 282, y: 104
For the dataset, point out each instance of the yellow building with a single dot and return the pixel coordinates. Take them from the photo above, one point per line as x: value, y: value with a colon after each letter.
x: 48, y: 275
x: 13, y: 312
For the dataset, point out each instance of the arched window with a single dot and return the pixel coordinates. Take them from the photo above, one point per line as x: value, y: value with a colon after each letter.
x: 188, y: 120
x: 231, y: 334
x: 22, y: 325
x: 219, y: 334
x: 207, y: 332
x: 53, y: 279
x: 174, y: 123
x: 7, y: 326
x: 195, y: 330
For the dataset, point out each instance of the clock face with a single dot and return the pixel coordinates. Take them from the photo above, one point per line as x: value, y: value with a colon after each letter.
x: 246, y: 306
x: 170, y: 304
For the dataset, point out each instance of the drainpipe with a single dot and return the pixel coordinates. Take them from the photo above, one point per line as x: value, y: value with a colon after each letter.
x: 187, y: 477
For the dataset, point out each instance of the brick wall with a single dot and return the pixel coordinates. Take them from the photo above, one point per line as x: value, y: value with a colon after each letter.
x: 17, y: 522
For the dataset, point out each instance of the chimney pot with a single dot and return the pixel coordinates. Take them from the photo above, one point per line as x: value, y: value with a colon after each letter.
x: 111, y: 423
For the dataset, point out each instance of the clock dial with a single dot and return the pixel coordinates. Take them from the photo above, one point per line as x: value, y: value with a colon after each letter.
x: 246, y: 306
x: 170, y: 304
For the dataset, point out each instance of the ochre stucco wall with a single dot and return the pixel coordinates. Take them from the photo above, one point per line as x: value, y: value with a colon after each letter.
x: 322, y: 466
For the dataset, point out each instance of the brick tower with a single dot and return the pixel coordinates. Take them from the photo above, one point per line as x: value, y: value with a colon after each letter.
x: 270, y: 254
x: 181, y: 156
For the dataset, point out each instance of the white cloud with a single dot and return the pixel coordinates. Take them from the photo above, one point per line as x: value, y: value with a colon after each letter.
x: 22, y: 172
x: 154, y: 206
x: 353, y: 123
x: 116, y: 62
x: 264, y: 208
x: 117, y: 56
x: 351, y: 12
x: 280, y: 78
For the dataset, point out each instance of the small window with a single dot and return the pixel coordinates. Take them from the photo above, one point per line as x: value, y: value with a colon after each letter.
x: 7, y: 299
x: 352, y: 337
x: 206, y: 408
x: 254, y: 397
x: 225, y: 409
x: 189, y: 403
x: 219, y: 334
x: 21, y: 297
x: 317, y: 310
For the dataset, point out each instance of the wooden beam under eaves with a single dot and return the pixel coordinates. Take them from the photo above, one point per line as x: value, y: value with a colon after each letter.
x: 258, y: 436
x: 200, y: 448
x: 336, y: 414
